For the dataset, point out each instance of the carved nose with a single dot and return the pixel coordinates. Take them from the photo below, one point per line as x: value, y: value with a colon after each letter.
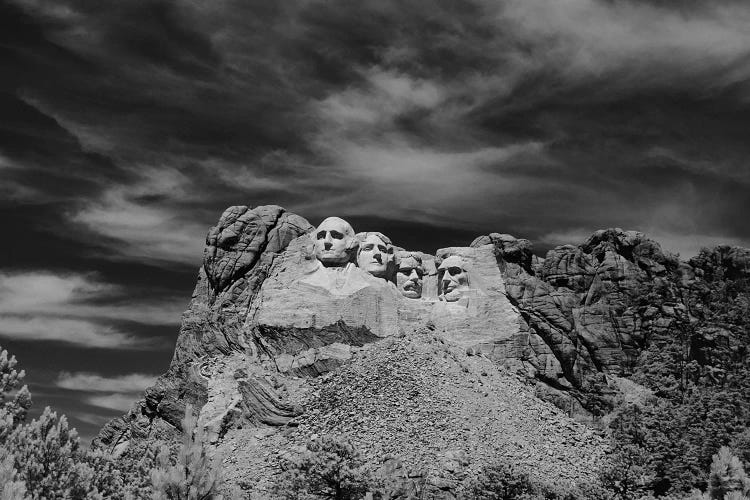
x: 327, y: 245
x: 413, y: 276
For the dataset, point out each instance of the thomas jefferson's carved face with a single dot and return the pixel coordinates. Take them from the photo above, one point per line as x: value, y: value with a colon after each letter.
x: 409, y: 277
x: 334, y: 242
x: 375, y: 255
x: 454, y: 279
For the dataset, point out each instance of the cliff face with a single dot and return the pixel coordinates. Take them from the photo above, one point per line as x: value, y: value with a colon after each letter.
x: 276, y: 348
x: 598, y: 305
x: 239, y: 252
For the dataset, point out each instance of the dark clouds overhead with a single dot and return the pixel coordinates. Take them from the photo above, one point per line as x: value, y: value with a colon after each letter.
x: 129, y: 126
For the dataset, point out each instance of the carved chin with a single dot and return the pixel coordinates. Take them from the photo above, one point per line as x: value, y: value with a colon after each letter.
x: 333, y: 259
x: 453, y: 295
x: 376, y: 270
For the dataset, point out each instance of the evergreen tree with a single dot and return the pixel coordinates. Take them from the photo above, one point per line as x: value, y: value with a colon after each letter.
x: 15, y: 398
x: 10, y: 487
x: 727, y: 476
x: 44, y: 452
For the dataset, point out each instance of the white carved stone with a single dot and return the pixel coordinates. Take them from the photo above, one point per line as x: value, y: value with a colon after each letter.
x: 409, y: 277
x: 335, y: 242
x: 302, y: 293
x: 375, y: 254
x: 453, y: 278
x: 482, y: 318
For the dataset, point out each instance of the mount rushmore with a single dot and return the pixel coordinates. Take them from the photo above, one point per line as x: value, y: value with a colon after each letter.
x: 431, y: 364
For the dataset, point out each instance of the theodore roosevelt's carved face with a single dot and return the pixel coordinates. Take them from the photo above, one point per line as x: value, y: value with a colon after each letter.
x: 454, y: 279
x: 409, y: 276
x: 375, y: 254
x: 334, y: 242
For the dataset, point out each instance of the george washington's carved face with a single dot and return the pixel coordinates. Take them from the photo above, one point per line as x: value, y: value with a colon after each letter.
x: 375, y: 254
x: 334, y: 242
x: 453, y: 278
x: 409, y: 276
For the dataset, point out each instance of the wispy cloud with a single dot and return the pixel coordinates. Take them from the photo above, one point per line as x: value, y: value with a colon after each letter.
x: 81, y: 296
x: 84, y: 381
x: 79, y: 332
x: 643, y: 43
x: 77, y: 309
x: 116, y: 393
x: 121, y: 402
x: 145, y: 220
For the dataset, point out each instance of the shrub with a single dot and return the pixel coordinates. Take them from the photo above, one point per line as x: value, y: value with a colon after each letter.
x: 136, y: 464
x: 192, y: 476
x: 331, y: 467
x: 499, y: 481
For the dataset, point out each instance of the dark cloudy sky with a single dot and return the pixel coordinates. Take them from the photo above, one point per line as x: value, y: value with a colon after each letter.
x: 128, y: 126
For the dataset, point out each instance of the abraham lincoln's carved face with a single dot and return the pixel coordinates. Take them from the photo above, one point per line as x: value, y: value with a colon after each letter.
x: 453, y: 278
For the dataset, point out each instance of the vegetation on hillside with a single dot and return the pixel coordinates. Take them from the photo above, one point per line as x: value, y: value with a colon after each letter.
x: 43, y: 458
x: 699, y: 372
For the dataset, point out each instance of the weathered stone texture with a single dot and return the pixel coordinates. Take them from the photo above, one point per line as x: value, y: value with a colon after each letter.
x: 240, y: 250
x: 583, y: 302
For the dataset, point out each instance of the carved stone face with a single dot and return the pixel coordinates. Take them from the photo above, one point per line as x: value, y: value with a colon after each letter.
x: 454, y: 279
x: 375, y: 255
x: 409, y: 277
x: 334, y: 242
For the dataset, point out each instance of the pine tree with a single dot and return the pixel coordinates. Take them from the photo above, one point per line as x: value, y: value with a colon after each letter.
x: 44, y: 451
x: 15, y: 399
x: 10, y: 487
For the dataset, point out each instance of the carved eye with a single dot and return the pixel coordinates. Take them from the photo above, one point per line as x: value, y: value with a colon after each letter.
x: 336, y: 235
x: 382, y: 248
x: 455, y: 271
x: 406, y: 271
x: 368, y: 247
x: 321, y: 235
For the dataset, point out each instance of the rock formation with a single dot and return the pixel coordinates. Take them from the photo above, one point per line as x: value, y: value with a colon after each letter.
x: 423, y: 360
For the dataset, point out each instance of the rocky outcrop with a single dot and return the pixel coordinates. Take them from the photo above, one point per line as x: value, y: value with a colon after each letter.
x: 279, y: 345
x: 592, y: 309
x: 240, y: 251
